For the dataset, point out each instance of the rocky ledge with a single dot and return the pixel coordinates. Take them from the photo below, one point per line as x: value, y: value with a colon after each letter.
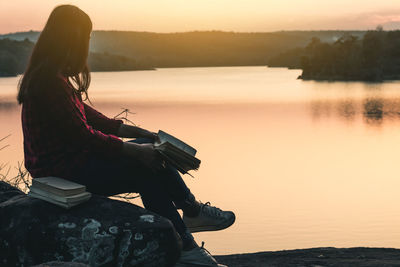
x: 99, y: 232
x: 317, y: 257
x: 105, y: 232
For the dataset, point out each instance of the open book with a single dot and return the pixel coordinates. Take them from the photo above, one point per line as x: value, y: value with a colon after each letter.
x: 177, y: 153
x: 59, y: 191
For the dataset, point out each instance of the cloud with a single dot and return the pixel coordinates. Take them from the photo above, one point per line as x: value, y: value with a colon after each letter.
x: 390, y: 20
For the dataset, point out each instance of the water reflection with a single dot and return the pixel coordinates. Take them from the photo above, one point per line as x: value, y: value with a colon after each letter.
x: 373, y: 110
x: 347, y: 109
x: 6, y: 105
x: 318, y: 184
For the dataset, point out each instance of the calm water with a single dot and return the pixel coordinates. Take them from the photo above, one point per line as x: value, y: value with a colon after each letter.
x: 303, y: 164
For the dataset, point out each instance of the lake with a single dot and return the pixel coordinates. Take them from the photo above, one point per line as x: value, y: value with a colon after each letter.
x: 302, y: 163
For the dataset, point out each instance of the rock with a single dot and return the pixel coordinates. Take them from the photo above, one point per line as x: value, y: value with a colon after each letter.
x: 99, y: 232
x: 7, y: 191
x: 329, y: 256
x: 61, y: 264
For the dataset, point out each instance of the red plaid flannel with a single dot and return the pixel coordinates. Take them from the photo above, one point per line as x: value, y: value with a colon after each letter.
x: 61, y: 132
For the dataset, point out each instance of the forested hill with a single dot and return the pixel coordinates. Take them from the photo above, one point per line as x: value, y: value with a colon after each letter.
x: 110, y: 36
x: 374, y: 57
x: 199, y: 48
x: 14, y: 56
x: 204, y: 48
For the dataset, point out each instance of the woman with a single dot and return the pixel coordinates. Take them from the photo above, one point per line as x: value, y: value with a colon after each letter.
x: 65, y: 137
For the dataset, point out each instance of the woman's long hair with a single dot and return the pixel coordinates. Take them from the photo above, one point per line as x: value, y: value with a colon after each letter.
x: 62, y: 49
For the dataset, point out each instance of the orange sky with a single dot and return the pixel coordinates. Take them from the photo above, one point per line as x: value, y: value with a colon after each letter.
x: 230, y: 15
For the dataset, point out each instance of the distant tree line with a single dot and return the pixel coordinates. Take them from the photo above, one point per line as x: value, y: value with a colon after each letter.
x: 110, y: 62
x: 14, y: 56
x: 374, y: 57
x: 356, y: 55
x: 205, y: 48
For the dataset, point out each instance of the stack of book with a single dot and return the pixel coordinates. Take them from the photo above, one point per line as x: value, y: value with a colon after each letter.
x: 59, y: 191
x: 177, y: 153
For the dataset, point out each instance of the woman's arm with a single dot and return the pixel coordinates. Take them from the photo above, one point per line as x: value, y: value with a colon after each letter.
x: 58, y: 107
x: 130, y: 131
x: 115, y: 127
x: 67, y: 123
x: 101, y: 122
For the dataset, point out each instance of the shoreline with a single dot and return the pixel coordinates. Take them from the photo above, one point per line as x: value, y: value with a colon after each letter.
x: 323, y: 256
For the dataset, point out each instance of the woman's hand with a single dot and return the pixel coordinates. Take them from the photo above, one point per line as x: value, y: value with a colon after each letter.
x: 150, y: 157
x: 145, y: 153
x: 151, y: 135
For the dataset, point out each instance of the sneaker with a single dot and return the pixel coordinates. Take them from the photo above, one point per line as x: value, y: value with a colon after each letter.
x: 197, y: 257
x: 209, y: 219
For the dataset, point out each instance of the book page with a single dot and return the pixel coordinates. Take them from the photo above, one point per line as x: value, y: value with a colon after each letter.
x: 165, y: 137
x: 59, y: 183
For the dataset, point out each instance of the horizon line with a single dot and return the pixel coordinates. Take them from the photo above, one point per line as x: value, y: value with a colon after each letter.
x: 226, y: 31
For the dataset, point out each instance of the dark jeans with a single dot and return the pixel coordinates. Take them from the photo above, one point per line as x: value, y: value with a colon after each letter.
x: 161, y: 191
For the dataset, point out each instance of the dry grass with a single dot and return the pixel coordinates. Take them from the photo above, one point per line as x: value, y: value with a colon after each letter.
x: 123, y: 115
x: 22, y: 180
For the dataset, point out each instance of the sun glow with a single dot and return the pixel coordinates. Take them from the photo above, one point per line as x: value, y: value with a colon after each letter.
x: 238, y: 15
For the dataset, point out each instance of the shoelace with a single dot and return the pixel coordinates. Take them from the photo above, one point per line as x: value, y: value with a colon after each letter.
x: 211, y: 210
x: 206, y: 252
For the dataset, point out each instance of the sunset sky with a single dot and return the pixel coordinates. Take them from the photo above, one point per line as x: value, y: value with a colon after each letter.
x: 229, y: 15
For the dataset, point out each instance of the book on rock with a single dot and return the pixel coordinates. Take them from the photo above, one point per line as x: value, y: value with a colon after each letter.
x: 177, y: 153
x: 59, y: 191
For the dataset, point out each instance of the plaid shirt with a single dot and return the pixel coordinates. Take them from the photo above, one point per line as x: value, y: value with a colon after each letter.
x: 61, y: 132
